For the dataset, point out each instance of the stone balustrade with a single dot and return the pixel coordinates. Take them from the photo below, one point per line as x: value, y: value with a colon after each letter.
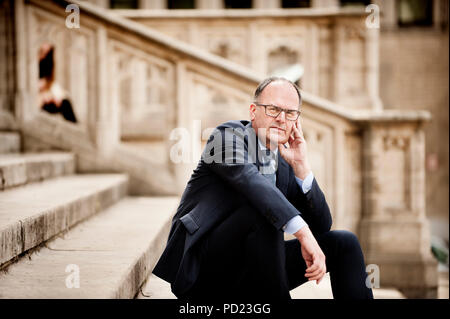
x: 337, y: 50
x: 129, y: 82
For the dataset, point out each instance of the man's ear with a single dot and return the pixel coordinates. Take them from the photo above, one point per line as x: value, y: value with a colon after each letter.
x: 252, y: 110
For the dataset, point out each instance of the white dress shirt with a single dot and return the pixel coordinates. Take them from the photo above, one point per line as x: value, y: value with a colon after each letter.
x: 295, y: 223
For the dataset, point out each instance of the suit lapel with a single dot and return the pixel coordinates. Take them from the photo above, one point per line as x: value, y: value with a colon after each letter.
x: 282, y: 169
x: 282, y: 174
x: 253, y: 149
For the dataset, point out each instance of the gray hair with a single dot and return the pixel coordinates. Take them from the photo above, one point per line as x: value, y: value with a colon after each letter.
x: 266, y: 82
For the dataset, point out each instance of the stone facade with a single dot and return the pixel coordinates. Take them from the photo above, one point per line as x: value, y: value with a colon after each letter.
x: 7, y: 69
x: 402, y: 83
x: 394, y: 229
x: 219, y: 4
x: 136, y: 86
x: 336, y: 50
x: 414, y: 75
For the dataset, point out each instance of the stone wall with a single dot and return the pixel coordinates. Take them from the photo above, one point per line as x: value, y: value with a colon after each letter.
x: 337, y: 52
x: 131, y: 71
x: 218, y: 4
x: 7, y: 65
x: 414, y: 74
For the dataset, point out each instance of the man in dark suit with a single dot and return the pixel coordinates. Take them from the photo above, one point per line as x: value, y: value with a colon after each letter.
x: 252, y: 184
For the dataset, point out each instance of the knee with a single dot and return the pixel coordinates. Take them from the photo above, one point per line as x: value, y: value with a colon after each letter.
x: 346, y: 241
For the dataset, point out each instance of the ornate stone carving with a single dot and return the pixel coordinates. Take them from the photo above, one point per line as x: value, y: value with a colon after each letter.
x: 281, y: 57
x: 353, y: 32
x: 393, y: 142
x: 145, y: 93
x: 319, y: 137
x: 7, y: 67
x: 214, y: 103
x: 353, y: 179
x: 282, y: 47
x: 229, y: 45
x: 325, y: 61
x: 394, y: 164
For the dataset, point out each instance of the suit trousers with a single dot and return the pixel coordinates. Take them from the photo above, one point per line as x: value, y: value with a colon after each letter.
x: 246, y: 258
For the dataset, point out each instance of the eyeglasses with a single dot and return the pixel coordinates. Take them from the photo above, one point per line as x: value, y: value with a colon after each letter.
x: 274, y: 111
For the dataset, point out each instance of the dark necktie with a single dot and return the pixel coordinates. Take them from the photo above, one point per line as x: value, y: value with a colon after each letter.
x: 268, y: 166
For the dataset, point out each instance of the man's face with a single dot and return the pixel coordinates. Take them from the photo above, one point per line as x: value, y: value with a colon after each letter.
x: 276, y: 130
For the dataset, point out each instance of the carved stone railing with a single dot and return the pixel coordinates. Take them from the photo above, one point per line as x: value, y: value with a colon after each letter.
x: 338, y: 52
x: 132, y: 85
x: 7, y: 74
x: 394, y: 229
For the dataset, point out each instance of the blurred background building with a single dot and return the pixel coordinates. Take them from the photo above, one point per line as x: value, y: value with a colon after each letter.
x: 375, y: 115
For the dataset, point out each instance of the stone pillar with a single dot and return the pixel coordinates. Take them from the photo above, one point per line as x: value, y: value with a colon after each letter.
x: 338, y: 75
x: 440, y: 13
x: 325, y: 3
x: 394, y: 230
x: 372, y: 61
x: 107, y: 123
x: 266, y: 4
x: 209, y: 4
x: 152, y: 4
x: 101, y: 3
x: 24, y: 102
x: 183, y: 170
x: 388, y: 14
x: 355, y: 67
x: 7, y: 61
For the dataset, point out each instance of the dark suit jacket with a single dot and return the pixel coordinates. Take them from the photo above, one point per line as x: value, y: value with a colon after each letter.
x: 217, y: 188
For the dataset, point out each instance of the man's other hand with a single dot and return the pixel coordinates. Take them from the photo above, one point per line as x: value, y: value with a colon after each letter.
x: 312, y: 254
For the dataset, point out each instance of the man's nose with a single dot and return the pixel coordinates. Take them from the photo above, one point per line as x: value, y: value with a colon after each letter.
x: 281, y: 117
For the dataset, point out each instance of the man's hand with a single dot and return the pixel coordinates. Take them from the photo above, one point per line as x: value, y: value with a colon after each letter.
x: 296, y: 154
x: 312, y: 254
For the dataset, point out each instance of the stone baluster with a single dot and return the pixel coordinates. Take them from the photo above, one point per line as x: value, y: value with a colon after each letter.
x: 152, y: 4
x: 266, y: 4
x: 107, y: 121
x: 394, y: 230
x: 7, y: 60
x: 209, y: 4
x: 325, y: 3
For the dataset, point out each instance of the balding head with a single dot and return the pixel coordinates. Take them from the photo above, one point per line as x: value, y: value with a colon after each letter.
x: 283, y: 94
x: 267, y: 81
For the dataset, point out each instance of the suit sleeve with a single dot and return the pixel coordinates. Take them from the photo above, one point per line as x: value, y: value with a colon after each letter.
x: 312, y: 206
x: 227, y: 155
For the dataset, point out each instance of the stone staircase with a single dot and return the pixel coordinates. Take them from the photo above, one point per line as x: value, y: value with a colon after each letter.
x: 66, y: 235
x: 53, y: 220
x: 156, y: 288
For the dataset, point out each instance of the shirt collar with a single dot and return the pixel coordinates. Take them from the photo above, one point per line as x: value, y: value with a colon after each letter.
x: 264, y: 148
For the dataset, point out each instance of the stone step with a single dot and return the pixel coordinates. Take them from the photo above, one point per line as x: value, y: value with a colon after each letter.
x: 9, y: 142
x: 33, y: 213
x: 111, y: 254
x: 22, y: 168
x: 310, y: 290
x: 156, y: 288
